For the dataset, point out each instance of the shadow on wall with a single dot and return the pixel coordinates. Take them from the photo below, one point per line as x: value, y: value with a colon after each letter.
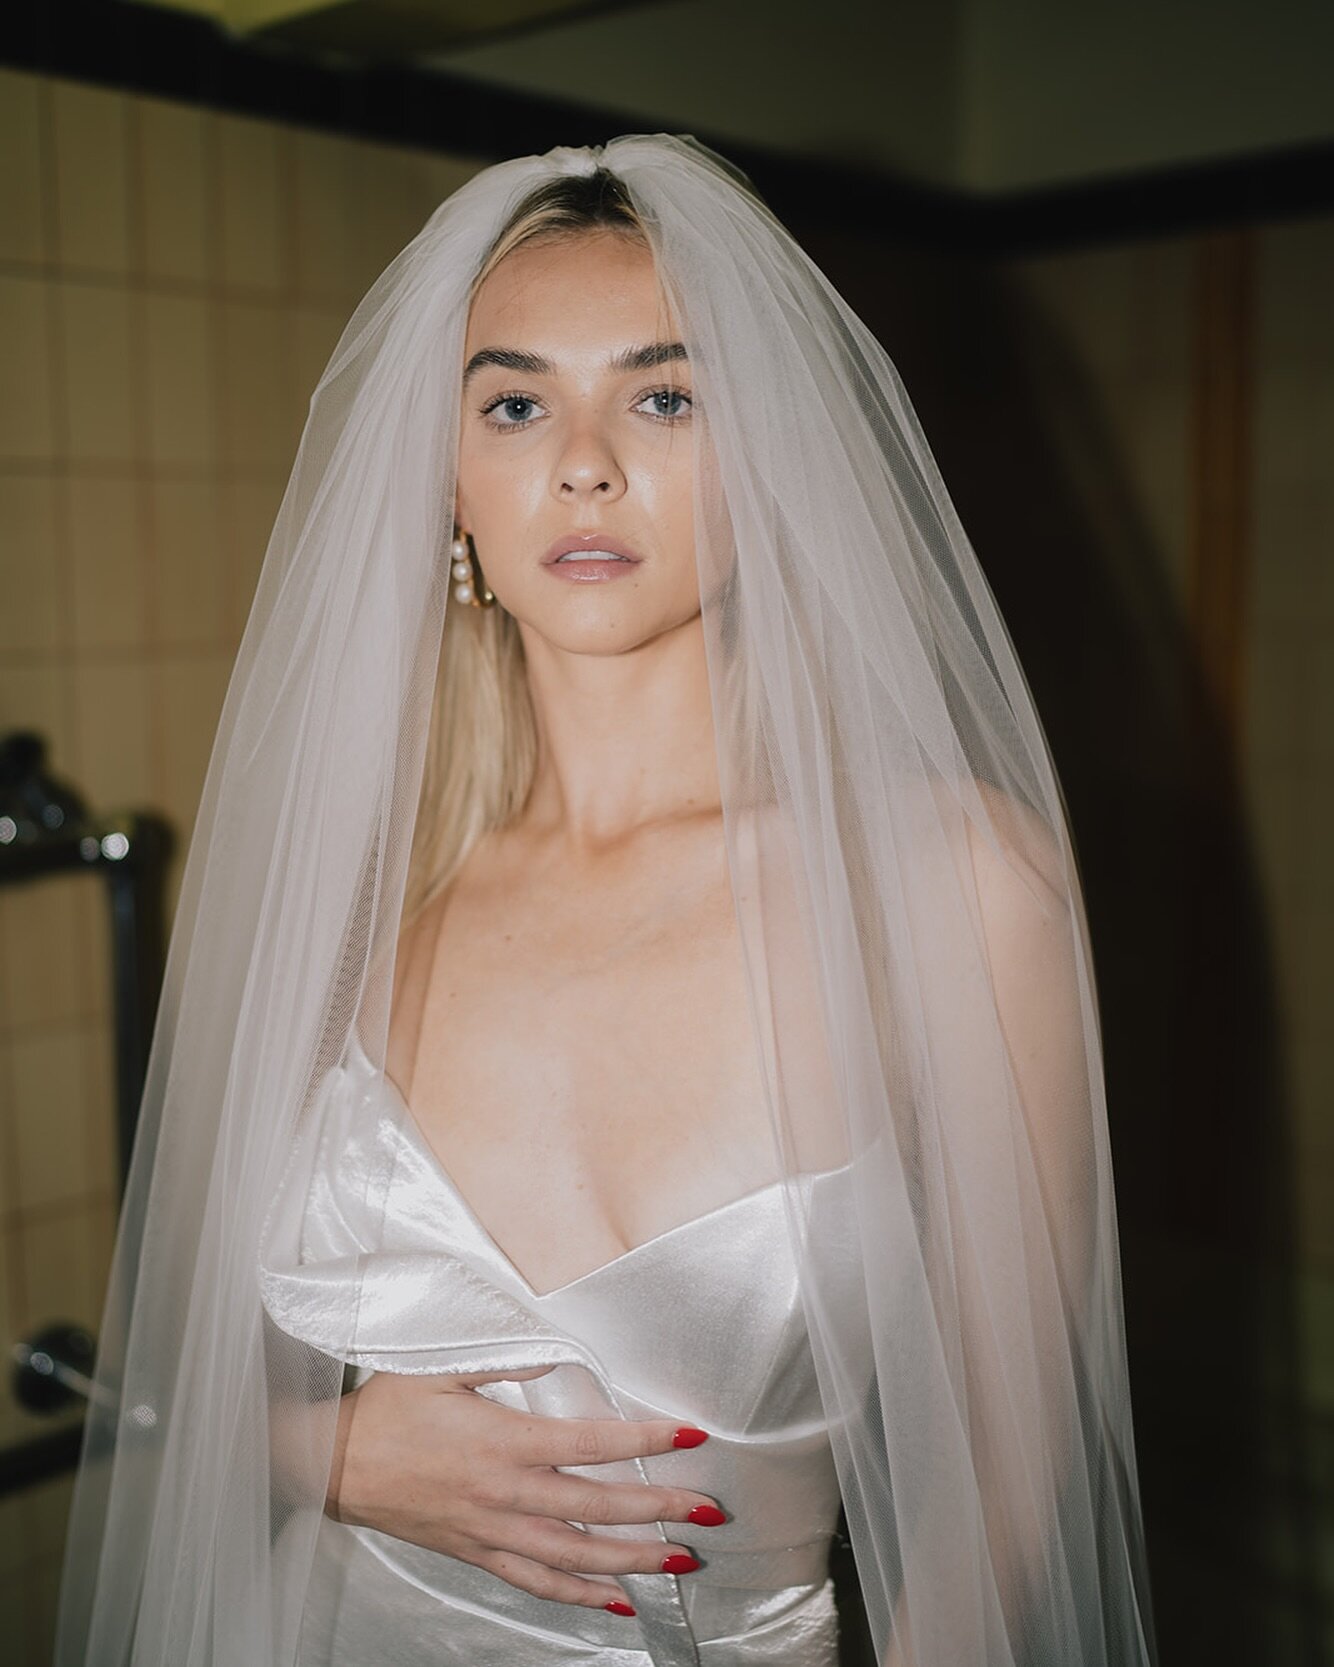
x: 1198, y: 1103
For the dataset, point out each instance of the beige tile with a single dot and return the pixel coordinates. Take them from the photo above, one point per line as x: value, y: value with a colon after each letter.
x: 99, y: 1099
x: 99, y: 1223
x: 98, y: 369
x: 38, y: 697
x: 320, y: 165
x: 173, y: 168
x: 110, y: 605
x: 13, y: 1426
x: 181, y: 380
x: 191, y: 692
x: 390, y: 196
x: 22, y: 224
x: 27, y: 415
x: 113, y: 726
x: 259, y: 412
x: 56, y: 1270
x: 191, y: 592
x: 445, y: 174
x: 49, y: 1114
x: 8, y: 1162
x: 251, y: 175
x: 92, y: 222
x: 37, y: 958
x: 30, y: 572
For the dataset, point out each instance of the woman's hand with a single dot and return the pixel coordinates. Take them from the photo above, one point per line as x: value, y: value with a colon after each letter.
x: 427, y: 1460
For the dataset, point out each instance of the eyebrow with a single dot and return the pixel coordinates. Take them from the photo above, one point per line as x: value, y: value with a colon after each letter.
x: 535, y: 364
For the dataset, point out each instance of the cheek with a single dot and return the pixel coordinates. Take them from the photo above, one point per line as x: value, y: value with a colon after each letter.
x: 679, y: 505
x: 673, y: 516
x: 492, y: 485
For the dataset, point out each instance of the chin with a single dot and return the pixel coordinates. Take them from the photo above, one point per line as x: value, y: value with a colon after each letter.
x: 605, y: 626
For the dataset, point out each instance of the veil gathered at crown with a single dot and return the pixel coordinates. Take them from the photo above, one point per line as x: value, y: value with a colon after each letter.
x: 915, y: 948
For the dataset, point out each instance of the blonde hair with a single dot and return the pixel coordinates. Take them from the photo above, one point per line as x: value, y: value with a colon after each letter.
x: 481, y: 750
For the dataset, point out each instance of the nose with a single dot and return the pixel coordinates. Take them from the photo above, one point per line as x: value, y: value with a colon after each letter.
x: 587, y: 467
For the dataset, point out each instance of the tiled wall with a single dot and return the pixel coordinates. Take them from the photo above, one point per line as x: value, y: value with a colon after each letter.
x: 172, y: 281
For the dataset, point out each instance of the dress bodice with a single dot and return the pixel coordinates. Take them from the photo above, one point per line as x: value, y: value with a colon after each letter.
x: 389, y: 1269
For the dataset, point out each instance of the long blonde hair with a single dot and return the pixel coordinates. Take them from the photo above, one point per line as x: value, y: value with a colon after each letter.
x: 481, y: 751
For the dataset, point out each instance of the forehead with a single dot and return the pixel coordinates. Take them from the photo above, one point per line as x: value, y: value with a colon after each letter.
x: 576, y: 293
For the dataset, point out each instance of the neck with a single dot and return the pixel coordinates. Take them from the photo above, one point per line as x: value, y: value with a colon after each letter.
x: 624, y: 740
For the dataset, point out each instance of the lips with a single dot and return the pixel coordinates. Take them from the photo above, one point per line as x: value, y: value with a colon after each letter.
x: 589, y: 543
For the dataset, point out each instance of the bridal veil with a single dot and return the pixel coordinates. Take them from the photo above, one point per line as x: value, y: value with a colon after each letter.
x: 916, y: 955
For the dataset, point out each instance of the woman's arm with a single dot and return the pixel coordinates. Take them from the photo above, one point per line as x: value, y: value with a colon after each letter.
x: 1022, y: 1298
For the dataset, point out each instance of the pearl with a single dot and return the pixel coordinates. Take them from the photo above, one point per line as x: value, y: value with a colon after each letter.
x: 459, y: 548
x: 463, y: 592
x: 462, y: 570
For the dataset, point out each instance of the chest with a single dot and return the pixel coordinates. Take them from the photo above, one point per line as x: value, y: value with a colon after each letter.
x: 585, y: 1066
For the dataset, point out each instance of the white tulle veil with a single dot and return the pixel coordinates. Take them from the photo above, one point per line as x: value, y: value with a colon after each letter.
x: 915, y: 948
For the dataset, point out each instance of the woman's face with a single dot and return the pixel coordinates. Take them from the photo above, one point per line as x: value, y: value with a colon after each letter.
x: 559, y: 440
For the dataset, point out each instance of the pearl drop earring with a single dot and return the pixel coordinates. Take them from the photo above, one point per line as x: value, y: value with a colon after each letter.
x: 468, y: 574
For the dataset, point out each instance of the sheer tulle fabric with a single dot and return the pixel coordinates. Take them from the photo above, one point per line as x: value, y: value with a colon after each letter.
x: 917, y: 958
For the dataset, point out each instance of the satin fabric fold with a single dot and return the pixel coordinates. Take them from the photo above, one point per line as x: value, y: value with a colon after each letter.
x: 702, y: 1322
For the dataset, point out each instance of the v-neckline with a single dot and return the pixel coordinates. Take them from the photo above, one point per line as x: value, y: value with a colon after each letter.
x: 416, y: 1137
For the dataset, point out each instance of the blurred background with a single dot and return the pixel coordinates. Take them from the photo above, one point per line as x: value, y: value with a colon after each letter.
x: 1098, y: 241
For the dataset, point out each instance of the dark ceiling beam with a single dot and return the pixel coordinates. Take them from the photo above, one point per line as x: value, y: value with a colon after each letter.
x: 191, y: 59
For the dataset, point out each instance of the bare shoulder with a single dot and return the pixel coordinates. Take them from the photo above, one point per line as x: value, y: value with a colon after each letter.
x: 1018, y: 857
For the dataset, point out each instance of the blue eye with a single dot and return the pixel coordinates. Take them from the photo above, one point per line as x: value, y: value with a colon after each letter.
x: 507, y: 399
x: 668, y: 393
x: 524, y: 421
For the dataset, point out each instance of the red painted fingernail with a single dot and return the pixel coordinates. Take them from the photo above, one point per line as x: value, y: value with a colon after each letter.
x: 679, y: 1563
x: 618, y: 1608
x: 687, y: 1436
x: 707, y: 1516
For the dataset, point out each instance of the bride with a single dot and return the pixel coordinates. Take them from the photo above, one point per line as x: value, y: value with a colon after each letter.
x: 628, y: 1084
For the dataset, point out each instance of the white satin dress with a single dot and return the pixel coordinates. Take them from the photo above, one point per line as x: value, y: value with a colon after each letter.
x: 701, y: 1323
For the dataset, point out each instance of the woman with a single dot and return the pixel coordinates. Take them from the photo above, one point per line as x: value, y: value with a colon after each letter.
x: 638, y: 1017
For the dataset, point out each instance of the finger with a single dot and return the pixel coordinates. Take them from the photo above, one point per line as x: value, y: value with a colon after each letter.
x: 569, y: 1550
x: 581, y: 1499
x: 599, y: 1440
x: 470, y: 1380
x: 543, y: 1582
